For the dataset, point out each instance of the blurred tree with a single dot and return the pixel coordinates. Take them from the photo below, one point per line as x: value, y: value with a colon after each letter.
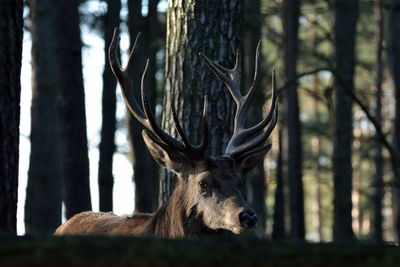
x: 43, y: 192
x: 256, y: 178
x: 344, y: 28
x: 213, y: 28
x: 292, y: 145
x: 394, y: 67
x: 378, y: 192
x: 71, y: 108
x: 145, y: 170
x: 278, y: 228
x: 11, y: 25
x: 107, y: 146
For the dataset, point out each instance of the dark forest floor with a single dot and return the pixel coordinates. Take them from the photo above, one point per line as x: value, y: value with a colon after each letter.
x: 129, y: 251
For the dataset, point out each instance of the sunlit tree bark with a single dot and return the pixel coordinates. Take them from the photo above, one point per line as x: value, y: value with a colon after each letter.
x: 210, y: 27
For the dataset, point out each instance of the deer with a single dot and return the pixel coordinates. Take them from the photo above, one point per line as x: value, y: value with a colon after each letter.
x: 206, y: 199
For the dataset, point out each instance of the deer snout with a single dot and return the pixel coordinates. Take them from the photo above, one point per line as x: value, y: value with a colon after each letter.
x: 248, y: 219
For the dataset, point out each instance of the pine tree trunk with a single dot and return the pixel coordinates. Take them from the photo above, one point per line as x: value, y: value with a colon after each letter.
x: 345, y: 20
x: 109, y: 101
x: 145, y: 170
x: 210, y: 27
x: 291, y: 129
x: 378, y: 192
x: 43, y: 192
x: 11, y: 24
x: 394, y: 67
x: 71, y: 109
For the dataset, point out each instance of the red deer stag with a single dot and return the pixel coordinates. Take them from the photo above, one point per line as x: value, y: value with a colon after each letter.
x: 206, y: 198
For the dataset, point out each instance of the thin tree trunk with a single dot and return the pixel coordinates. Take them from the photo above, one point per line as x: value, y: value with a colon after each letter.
x: 210, y: 27
x: 107, y: 144
x: 378, y: 192
x: 316, y: 152
x: 256, y: 186
x: 145, y: 169
x: 394, y: 67
x: 71, y: 109
x: 291, y: 130
x: 11, y: 24
x: 43, y: 192
x: 345, y: 20
x: 278, y: 228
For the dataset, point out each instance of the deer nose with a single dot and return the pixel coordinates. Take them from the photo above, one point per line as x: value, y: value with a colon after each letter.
x: 248, y: 219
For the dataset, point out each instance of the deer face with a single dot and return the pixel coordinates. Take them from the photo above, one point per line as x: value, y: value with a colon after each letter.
x: 213, y: 196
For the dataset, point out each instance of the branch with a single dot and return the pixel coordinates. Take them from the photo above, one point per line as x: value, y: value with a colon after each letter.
x: 394, y: 156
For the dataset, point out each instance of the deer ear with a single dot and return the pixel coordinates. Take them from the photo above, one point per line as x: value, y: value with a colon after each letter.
x: 249, y: 160
x: 164, y: 156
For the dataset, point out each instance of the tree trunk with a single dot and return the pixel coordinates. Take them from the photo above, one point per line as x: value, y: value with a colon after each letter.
x: 394, y: 67
x: 71, y: 109
x: 210, y: 27
x: 43, y: 192
x: 145, y: 171
x: 316, y: 144
x: 378, y: 192
x: 11, y: 24
x: 109, y: 100
x: 256, y: 185
x: 278, y: 228
x: 345, y: 20
x: 291, y: 130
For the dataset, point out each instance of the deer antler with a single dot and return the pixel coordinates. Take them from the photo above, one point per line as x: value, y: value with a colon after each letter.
x: 143, y: 113
x: 245, y: 141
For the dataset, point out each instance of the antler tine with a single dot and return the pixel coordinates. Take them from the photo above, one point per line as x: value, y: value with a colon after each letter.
x: 179, y: 127
x: 238, y: 146
x: 250, y: 132
x: 229, y: 76
x: 255, y: 142
x: 143, y: 112
x: 200, y: 149
x: 122, y: 76
x: 152, y: 124
x: 203, y: 145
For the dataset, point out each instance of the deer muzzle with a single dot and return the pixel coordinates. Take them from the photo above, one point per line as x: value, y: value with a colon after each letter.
x: 248, y: 219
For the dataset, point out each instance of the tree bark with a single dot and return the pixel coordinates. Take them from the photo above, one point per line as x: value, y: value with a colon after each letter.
x: 291, y: 129
x: 71, y: 108
x: 145, y: 171
x: 43, y: 192
x: 378, y: 190
x: 109, y: 100
x: 213, y: 28
x: 345, y: 20
x: 394, y: 67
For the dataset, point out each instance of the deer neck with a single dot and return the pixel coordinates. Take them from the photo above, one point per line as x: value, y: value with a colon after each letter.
x: 177, y: 219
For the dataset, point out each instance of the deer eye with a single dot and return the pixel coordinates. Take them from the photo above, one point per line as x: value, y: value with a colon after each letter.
x: 203, y: 185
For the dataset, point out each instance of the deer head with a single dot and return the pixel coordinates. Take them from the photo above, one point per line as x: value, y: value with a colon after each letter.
x: 208, y: 188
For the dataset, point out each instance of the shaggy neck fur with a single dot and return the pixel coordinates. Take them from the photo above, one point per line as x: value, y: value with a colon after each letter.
x: 177, y: 219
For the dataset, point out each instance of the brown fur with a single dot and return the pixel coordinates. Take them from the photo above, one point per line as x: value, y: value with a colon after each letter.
x: 190, y: 211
